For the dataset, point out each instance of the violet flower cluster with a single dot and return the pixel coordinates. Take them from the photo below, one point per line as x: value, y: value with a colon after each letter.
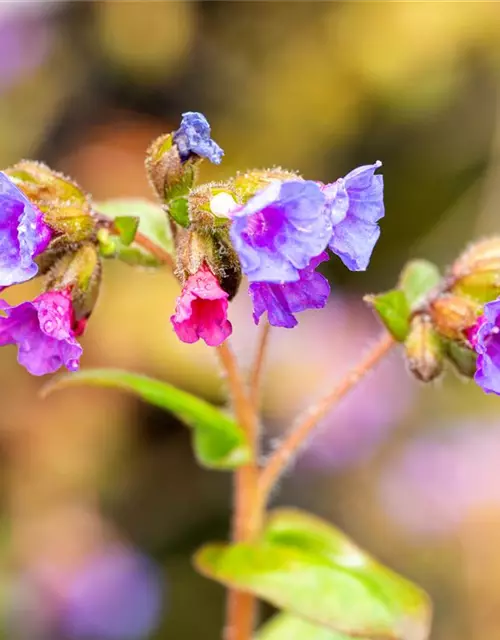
x: 280, y: 236
x: 44, y: 329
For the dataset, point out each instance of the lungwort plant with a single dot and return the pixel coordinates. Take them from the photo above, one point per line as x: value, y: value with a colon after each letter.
x: 275, y: 228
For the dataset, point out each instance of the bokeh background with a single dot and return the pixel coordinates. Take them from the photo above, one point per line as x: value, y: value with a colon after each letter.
x: 101, y: 503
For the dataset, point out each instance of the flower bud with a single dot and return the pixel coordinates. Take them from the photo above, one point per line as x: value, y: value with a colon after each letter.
x: 210, y: 205
x: 65, y: 206
x: 213, y: 247
x: 423, y: 349
x: 476, y: 273
x: 170, y: 176
x: 247, y: 184
x: 80, y: 273
x: 463, y: 359
x: 452, y: 315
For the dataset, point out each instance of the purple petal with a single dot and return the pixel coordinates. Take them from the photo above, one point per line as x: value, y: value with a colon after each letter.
x: 281, y: 301
x: 279, y: 230
x: 23, y: 234
x: 42, y: 331
x: 355, y: 229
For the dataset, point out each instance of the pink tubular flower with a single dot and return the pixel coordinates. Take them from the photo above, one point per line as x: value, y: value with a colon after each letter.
x: 43, y: 331
x: 201, y: 310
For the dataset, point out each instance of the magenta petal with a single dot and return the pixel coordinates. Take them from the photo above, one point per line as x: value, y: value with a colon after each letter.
x: 484, y: 337
x: 201, y: 310
x: 42, y: 331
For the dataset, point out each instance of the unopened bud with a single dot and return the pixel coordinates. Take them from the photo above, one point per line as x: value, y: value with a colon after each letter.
x: 424, y: 352
x: 213, y: 248
x: 452, y: 315
x: 170, y: 175
x: 66, y: 207
x: 476, y: 273
x: 477, y: 256
x: 247, y: 184
x: 462, y: 358
x: 80, y: 273
x: 210, y: 206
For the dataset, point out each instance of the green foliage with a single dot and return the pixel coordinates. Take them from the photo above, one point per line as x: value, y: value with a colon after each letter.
x: 394, y: 311
x: 127, y: 228
x: 418, y: 279
x: 311, y: 569
x: 287, y: 627
x: 218, y: 441
x: 153, y: 224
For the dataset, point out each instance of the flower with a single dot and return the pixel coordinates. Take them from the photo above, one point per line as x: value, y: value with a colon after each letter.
x: 43, y: 332
x: 23, y: 234
x: 281, y: 301
x: 280, y: 230
x: 193, y: 137
x: 437, y: 481
x: 201, y: 310
x: 116, y: 596
x: 484, y: 337
x: 356, y: 203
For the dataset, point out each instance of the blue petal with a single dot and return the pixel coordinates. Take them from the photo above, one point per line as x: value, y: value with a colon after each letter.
x: 353, y: 240
x: 23, y: 234
x: 193, y: 136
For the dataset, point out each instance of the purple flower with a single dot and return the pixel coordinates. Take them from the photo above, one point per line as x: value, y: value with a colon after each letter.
x: 117, y: 596
x: 281, y: 301
x: 43, y: 332
x: 438, y: 480
x: 485, y: 339
x: 356, y: 203
x: 23, y: 234
x: 193, y: 137
x: 280, y: 230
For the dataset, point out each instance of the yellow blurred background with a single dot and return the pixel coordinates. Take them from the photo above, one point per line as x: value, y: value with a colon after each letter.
x: 101, y: 500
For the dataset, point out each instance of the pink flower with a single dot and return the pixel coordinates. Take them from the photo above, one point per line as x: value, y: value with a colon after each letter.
x: 43, y: 332
x: 201, y: 310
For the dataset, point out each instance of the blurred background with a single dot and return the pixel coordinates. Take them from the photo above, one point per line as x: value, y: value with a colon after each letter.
x: 101, y: 501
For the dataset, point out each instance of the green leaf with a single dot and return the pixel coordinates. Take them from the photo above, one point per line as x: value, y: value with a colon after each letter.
x: 154, y: 225
x: 287, y: 627
x: 218, y: 440
x: 394, y: 311
x: 126, y: 226
x: 311, y: 569
x: 417, y: 280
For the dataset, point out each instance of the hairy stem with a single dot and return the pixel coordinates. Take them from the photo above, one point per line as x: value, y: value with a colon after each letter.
x: 247, y: 517
x: 154, y: 250
x: 296, y: 438
x: 258, y: 365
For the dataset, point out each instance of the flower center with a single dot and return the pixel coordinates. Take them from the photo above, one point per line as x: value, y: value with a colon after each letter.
x: 263, y: 227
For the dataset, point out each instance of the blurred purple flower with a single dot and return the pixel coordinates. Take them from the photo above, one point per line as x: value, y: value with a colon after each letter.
x: 116, y: 596
x: 439, y: 478
x: 24, y: 43
x: 281, y: 301
x: 485, y: 338
x: 310, y: 360
x: 280, y: 230
x: 356, y: 204
x: 193, y: 137
x: 23, y: 234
